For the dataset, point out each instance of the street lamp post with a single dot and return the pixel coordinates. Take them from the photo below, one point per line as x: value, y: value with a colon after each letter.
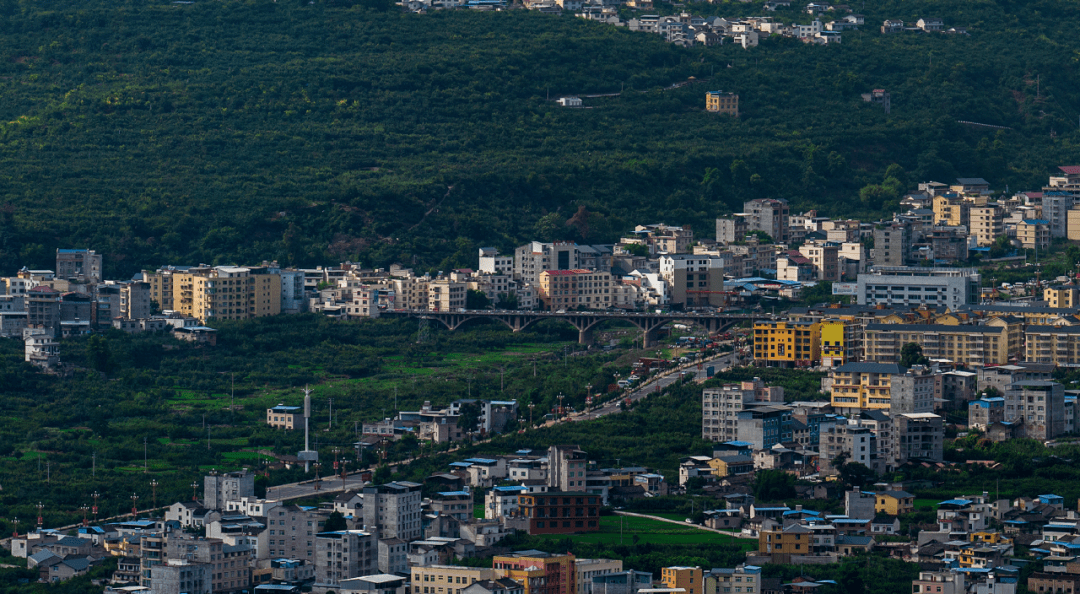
x: 85, y: 509
x: 531, y: 405
x: 134, y: 506
x: 194, y: 489
x: 153, y: 487
x: 40, y: 517
x: 96, y: 495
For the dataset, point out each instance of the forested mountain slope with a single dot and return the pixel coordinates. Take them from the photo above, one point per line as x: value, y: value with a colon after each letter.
x: 232, y: 132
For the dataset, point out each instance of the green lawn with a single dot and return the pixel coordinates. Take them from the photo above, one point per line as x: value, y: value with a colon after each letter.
x: 922, y: 504
x: 651, y: 531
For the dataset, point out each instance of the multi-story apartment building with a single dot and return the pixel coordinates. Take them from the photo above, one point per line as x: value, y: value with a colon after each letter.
x: 43, y: 308
x: 343, y: 555
x: 780, y: 543
x: 392, y: 510
x: 1003, y: 376
x: 492, y: 263
x: 720, y: 408
x: 586, y: 569
x: 573, y: 289
x: 446, y: 295
x: 1062, y: 296
x: 770, y: 216
x: 892, y: 244
x: 1033, y: 234
x: 535, y: 257
x: 447, y: 579
x: 689, y: 579
x: 1056, y: 205
x: 230, y: 565
x: 566, y: 468
x: 765, y: 426
x: 78, y: 264
x: 161, y: 284
x: 913, y: 391
x: 560, y: 512
x: 834, y: 340
x: 986, y: 223
x: 986, y: 411
x: 858, y: 387
x: 694, y: 280
x: 838, y: 440
x: 181, y: 577
x: 825, y: 256
x: 1057, y: 345
x: 787, y: 344
x: 908, y: 286
x: 221, y: 292
x: 219, y: 488
x: 952, y: 210
x: 135, y: 300
x: 667, y: 239
x: 967, y: 344
x: 917, y: 436
x: 1038, y: 406
x: 731, y: 230
x: 557, y: 570
x: 747, y: 578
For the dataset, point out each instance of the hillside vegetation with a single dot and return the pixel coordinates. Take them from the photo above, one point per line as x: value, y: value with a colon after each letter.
x: 231, y: 131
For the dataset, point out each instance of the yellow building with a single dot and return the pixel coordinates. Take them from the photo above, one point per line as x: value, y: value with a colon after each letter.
x: 951, y: 210
x: 1033, y: 234
x: 781, y: 543
x: 222, y: 292
x: 574, y: 289
x: 447, y: 579
x: 721, y: 102
x: 687, y: 578
x: 1059, y: 345
x: 894, y: 503
x: 547, y: 574
x: 863, y: 386
x: 833, y: 343
x: 1062, y: 296
x: 1073, y: 226
x: 986, y: 223
x: 988, y: 537
x: 787, y: 344
x: 968, y: 344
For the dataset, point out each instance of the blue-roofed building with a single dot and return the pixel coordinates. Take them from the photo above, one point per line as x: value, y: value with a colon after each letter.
x: 456, y: 504
x: 1052, y: 500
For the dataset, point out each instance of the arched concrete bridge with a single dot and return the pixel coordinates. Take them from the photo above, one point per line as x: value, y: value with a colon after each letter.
x: 584, y: 321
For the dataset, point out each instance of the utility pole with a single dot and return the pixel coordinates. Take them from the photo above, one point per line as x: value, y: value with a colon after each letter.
x: 331, y: 426
x: 145, y: 467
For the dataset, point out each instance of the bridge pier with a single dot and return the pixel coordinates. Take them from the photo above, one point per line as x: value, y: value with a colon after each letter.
x: 585, y: 336
x: 649, y: 337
